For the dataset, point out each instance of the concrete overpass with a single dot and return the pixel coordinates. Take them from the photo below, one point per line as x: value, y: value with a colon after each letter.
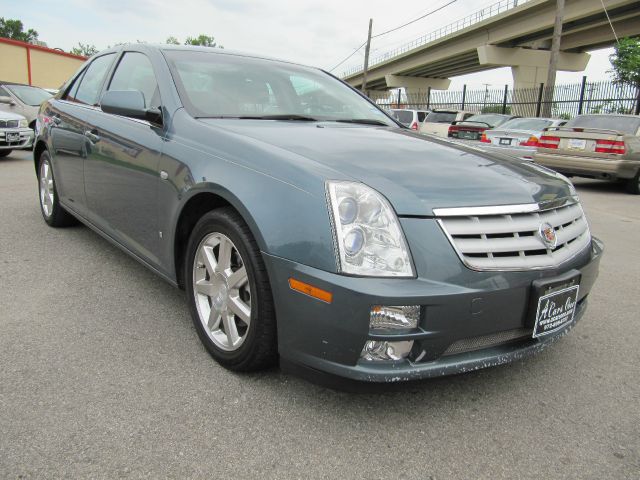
x: 519, y: 37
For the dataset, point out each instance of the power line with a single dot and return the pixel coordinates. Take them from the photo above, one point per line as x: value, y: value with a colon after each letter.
x: 393, y: 30
x: 351, y: 55
x: 610, y: 24
x: 415, y: 19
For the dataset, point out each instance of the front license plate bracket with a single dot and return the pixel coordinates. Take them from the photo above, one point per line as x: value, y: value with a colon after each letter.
x: 553, y: 303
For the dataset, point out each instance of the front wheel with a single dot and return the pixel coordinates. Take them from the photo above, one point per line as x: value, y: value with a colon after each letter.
x: 633, y: 184
x: 52, y: 212
x: 229, y: 294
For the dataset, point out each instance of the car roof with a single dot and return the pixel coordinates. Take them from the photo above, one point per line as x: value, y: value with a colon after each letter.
x: 195, y: 48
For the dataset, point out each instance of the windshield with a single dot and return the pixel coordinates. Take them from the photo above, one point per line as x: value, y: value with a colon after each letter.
x: 231, y: 86
x: 606, y: 122
x: 441, y: 117
x: 33, y: 96
x: 489, y: 119
x: 534, y: 124
x: 403, y: 116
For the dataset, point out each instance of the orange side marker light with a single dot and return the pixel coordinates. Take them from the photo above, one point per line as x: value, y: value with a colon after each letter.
x: 310, y: 290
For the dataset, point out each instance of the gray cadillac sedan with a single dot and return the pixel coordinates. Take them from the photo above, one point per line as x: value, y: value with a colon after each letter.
x: 305, y: 224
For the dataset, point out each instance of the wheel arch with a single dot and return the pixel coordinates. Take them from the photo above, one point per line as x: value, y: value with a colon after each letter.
x: 198, y: 204
x: 39, y: 147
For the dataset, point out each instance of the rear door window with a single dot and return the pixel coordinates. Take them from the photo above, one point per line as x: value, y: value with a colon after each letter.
x: 91, y: 83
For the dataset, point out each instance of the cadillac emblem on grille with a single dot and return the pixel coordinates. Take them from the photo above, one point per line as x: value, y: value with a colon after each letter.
x: 548, y: 235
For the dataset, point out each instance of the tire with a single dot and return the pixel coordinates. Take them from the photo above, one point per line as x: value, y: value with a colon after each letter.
x: 218, y: 304
x: 52, y: 212
x: 5, y: 153
x: 633, y: 184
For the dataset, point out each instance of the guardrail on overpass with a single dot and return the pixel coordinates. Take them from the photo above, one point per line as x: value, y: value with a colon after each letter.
x: 476, y: 17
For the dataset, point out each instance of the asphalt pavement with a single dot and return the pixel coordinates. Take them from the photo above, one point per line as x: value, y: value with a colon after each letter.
x: 102, y: 375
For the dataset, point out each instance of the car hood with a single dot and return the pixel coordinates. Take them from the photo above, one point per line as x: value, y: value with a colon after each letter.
x: 10, y: 116
x: 416, y: 173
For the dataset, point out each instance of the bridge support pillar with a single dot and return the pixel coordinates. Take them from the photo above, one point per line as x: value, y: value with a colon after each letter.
x: 529, y: 69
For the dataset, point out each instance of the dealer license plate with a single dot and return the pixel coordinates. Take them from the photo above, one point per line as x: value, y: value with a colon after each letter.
x: 576, y: 144
x: 553, y: 303
x: 13, y: 137
x: 505, y: 141
x: 468, y: 135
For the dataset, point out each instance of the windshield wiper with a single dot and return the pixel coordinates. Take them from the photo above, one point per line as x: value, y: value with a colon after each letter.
x: 286, y: 116
x: 363, y: 121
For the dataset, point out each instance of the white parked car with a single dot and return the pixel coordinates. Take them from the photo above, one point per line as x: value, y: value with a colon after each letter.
x: 438, y: 121
x: 22, y: 99
x: 519, y: 136
x: 409, y: 118
x: 15, y: 133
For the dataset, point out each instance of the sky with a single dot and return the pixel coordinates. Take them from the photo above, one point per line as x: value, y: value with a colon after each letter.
x: 319, y: 33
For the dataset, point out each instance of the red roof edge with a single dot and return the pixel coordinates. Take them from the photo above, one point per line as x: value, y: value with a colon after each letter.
x: 31, y: 46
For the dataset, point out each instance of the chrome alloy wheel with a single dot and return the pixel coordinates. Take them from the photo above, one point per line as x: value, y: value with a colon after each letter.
x: 221, y: 290
x: 46, y: 188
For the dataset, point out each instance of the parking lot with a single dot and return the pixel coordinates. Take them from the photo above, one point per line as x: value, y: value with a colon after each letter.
x: 103, y: 376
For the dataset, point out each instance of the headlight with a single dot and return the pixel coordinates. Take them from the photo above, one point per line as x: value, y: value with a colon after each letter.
x: 367, y: 232
x: 24, y: 123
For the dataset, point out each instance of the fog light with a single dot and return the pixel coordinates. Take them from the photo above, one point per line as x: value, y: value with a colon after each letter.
x: 375, y: 350
x: 398, y: 317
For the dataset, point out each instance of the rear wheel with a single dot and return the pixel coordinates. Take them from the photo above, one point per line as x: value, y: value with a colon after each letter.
x: 4, y: 153
x: 52, y: 212
x: 229, y: 294
x: 633, y: 184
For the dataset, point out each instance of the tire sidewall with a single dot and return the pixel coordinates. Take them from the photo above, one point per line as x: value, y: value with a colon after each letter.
x: 55, y: 206
x: 214, y: 222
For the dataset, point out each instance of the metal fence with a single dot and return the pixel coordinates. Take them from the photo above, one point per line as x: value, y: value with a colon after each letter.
x: 563, y: 101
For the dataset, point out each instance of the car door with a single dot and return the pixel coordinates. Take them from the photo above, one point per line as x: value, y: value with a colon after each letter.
x: 121, y: 171
x: 69, y: 120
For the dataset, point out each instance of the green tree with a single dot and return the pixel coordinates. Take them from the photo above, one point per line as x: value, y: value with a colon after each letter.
x: 84, y: 50
x: 171, y: 40
x: 14, y: 29
x: 626, y: 61
x: 202, y: 40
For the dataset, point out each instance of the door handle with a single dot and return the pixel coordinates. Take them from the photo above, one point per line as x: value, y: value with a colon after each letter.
x: 56, y: 119
x: 92, y: 135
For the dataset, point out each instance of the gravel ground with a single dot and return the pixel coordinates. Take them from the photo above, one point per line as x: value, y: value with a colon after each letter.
x: 103, y: 376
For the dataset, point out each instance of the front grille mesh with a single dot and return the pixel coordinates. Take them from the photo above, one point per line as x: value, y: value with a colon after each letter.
x: 486, y: 341
x: 511, y: 241
x: 9, y: 123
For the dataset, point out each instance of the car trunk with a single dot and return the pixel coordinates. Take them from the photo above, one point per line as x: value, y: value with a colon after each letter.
x: 585, y: 142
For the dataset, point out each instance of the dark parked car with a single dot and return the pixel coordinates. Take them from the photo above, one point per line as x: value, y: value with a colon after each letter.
x: 473, y: 127
x: 305, y: 224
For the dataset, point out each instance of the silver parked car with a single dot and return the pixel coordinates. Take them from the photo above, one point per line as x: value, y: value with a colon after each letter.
x: 15, y: 133
x: 22, y: 99
x: 518, y: 137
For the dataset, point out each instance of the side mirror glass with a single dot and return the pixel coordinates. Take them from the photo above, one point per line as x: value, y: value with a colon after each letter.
x: 129, y: 103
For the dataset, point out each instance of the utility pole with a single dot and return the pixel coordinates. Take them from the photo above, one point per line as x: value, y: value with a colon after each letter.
x: 553, y: 59
x: 366, y: 59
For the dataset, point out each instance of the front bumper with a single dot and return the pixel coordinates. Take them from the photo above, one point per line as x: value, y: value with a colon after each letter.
x: 26, y: 136
x: 593, y: 167
x: 329, y: 337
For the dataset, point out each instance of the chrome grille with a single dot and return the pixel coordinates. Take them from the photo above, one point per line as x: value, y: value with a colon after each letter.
x: 508, y: 237
x: 9, y: 123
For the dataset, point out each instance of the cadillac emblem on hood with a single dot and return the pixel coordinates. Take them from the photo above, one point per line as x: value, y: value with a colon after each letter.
x: 548, y: 235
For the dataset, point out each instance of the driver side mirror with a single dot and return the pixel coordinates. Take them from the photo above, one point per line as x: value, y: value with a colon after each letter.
x: 7, y: 100
x: 129, y: 103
